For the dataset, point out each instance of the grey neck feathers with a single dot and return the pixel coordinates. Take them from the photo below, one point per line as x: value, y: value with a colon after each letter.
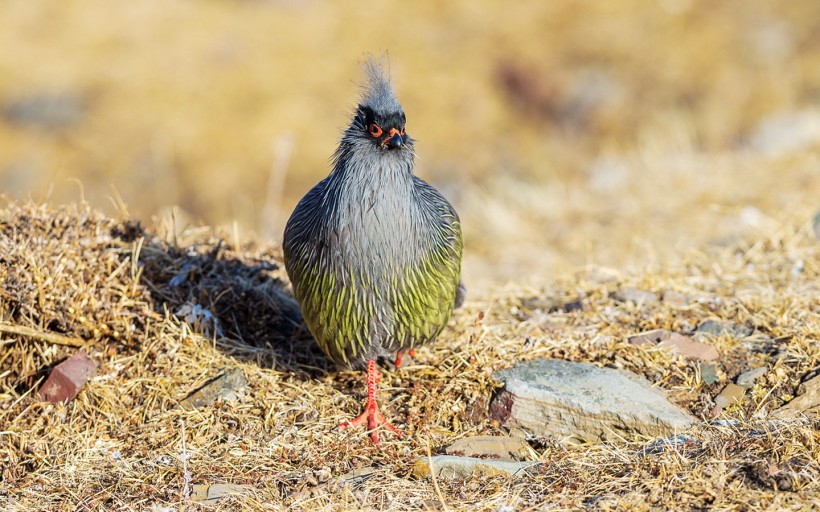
x: 376, y: 214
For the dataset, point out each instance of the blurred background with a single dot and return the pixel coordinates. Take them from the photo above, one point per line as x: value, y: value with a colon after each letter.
x: 567, y: 133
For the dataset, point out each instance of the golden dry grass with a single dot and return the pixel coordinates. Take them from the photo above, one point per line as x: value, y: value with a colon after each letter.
x: 118, y: 445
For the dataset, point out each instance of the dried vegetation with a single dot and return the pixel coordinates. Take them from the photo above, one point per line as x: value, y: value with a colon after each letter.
x: 163, y: 313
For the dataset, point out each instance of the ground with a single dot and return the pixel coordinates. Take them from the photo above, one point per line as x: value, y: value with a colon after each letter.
x: 118, y: 446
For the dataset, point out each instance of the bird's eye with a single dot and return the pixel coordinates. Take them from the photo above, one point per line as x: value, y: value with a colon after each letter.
x: 375, y: 130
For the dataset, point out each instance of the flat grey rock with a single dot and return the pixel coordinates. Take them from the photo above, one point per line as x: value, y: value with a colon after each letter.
x: 450, y: 467
x: 581, y: 402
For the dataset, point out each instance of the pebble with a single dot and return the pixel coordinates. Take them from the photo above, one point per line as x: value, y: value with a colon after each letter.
x: 497, y: 447
x: 673, y: 442
x: 722, y: 328
x: 213, y: 492
x: 708, y: 373
x: 451, y: 467
x: 47, y: 110
x: 748, y: 379
x: 677, y: 344
x: 674, y: 298
x: 629, y: 294
x: 224, y: 388
x: 68, y: 378
x: 730, y: 394
x: 815, y: 224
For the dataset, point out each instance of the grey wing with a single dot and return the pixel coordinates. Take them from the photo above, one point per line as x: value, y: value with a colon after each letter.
x: 448, y: 214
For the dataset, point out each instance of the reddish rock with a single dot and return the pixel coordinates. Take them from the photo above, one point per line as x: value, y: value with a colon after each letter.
x: 674, y: 298
x: 693, y: 350
x: 68, y: 378
x: 676, y: 343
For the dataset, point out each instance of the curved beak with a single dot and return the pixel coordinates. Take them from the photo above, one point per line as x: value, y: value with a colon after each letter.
x: 394, y: 139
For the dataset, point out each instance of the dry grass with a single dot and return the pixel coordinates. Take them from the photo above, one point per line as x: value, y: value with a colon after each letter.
x: 118, y: 446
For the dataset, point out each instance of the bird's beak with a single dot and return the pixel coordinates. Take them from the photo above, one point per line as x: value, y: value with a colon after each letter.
x: 394, y: 139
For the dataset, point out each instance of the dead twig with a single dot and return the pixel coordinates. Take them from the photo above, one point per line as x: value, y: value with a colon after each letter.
x: 50, y: 337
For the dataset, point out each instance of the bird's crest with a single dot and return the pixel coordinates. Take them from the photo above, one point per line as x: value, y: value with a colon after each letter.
x: 377, y: 93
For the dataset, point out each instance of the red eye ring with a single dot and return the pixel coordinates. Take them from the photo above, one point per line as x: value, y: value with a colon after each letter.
x: 375, y: 130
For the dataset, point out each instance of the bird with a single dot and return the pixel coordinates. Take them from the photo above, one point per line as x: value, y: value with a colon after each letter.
x: 373, y: 252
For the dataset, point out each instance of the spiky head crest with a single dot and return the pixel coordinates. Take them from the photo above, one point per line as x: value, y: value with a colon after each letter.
x: 377, y: 93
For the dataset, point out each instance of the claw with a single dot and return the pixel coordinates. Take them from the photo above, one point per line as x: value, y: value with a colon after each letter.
x: 371, y: 417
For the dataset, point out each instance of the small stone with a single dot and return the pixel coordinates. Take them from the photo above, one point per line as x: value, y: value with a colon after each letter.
x: 653, y: 337
x: 213, y: 492
x: 573, y: 305
x: 68, y: 378
x: 708, y: 373
x: 674, y: 298
x: 815, y: 224
x: 579, y: 401
x: 722, y: 328
x: 677, y: 344
x: 496, y: 447
x: 48, y: 111
x: 224, y: 388
x: 692, y: 350
x: 354, y: 478
x: 807, y: 401
x: 747, y: 379
x: 450, y: 467
x: 552, y: 304
x: 637, y: 296
x: 730, y: 394
x: 673, y: 442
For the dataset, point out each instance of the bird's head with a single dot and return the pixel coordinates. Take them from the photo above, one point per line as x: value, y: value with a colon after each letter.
x: 379, y: 118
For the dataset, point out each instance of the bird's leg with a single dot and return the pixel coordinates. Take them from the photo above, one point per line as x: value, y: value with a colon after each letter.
x: 371, y: 416
x: 400, y: 354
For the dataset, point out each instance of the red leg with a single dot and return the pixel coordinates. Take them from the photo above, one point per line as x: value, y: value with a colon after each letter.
x: 400, y: 354
x: 371, y: 416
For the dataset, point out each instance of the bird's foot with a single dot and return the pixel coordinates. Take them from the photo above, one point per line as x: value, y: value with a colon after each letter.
x: 371, y: 416
x: 373, y: 419
x: 400, y: 354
